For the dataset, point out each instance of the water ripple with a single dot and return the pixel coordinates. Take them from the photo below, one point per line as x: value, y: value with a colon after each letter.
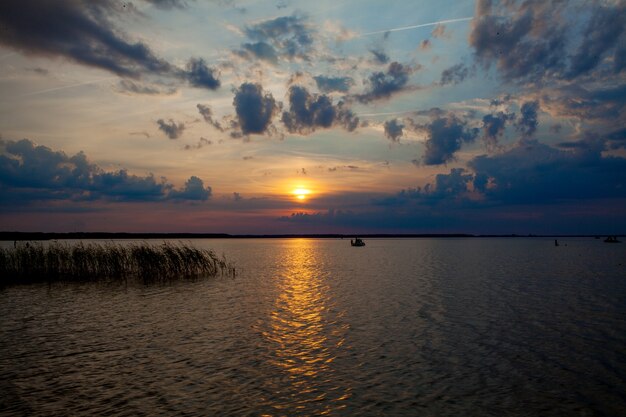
x: 314, y: 327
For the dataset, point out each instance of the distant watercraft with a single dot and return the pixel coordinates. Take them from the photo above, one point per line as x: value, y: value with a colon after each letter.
x: 611, y: 239
x: 357, y: 242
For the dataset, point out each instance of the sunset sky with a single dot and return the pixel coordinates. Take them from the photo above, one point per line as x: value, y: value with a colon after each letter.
x: 342, y: 116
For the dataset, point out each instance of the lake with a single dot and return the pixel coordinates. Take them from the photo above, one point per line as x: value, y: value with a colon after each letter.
x: 400, y: 327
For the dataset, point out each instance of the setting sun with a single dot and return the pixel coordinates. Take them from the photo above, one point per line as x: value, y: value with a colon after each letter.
x: 301, y: 193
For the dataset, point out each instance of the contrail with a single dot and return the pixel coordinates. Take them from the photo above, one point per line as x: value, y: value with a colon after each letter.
x: 67, y: 86
x: 462, y: 19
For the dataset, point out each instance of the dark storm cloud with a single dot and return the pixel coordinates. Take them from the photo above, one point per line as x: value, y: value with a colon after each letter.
x: 446, y: 135
x: 383, y: 84
x: 494, y: 126
x: 207, y: 115
x: 393, y: 129
x: 77, y: 30
x: 380, y: 57
x: 535, y: 173
x: 32, y: 172
x: 200, y: 75
x: 307, y: 112
x: 454, y: 75
x: 171, y: 129
x: 330, y: 84
x: 254, y: 108
x: 529, y: 173
x: 527, y: 122
x: 289, y: 36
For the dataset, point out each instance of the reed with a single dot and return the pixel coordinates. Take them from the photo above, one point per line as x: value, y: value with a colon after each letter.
x: 31, y: 262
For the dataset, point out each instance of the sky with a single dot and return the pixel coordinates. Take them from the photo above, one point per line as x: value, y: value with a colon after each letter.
x: 287, y: 116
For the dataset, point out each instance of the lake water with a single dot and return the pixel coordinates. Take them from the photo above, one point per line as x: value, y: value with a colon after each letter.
x: 404, y: 327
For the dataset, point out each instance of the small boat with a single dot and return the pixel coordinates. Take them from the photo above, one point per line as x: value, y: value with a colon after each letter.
x: 357, y: 242
x: 611, y: 239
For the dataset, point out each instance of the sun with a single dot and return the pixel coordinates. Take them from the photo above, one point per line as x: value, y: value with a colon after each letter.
x: 301, y: 193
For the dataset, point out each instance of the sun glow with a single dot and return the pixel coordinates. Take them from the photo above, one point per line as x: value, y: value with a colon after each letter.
x: 301, y: 193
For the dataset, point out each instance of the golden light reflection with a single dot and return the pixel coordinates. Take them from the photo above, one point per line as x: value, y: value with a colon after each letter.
x: 305, y: 336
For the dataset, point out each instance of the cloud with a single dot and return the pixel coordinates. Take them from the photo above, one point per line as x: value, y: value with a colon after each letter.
x: 529, y: 173
x: 330, y: 84
x: 193, y: 190
x: 380, y: 57
x: 454, y: 185
x: 290, y: 37
x: 616, y: 139
x: 383, y: 84
x: 200, y: 75
x: 133, y: 87
x: 494, y: 126
x: 79, y: 31
x: 260, y: 50
x: 83, y: 31
x: 307, y: 112
x: 168, y: 4
x: 454, y: 75
x: 254, y: 108
x: 604, y: 103
x: 525, y: 43
x: 31, y: 172
x: 393, y: 129
x: 171, y: 129
x: 527, y: 122
x: 545, y: 42
x: 207, y: 115
x: 201, y: 143
x: 343, y: 168
x: 535, y: 173
x: 446, y: 135
x: 602, y: 33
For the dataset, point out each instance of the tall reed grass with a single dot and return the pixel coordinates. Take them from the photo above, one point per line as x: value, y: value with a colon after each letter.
x: 29, y: 262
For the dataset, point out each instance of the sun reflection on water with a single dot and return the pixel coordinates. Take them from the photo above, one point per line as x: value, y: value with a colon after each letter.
x: 306, y: 336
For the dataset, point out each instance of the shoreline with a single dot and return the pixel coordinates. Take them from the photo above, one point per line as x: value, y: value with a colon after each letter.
x: 23, y: 236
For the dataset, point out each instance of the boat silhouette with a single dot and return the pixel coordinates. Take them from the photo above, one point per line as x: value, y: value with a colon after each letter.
x: 357, y: 242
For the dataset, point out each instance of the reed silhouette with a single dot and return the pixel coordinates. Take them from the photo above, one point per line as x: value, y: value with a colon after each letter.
x: 32, y: 262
